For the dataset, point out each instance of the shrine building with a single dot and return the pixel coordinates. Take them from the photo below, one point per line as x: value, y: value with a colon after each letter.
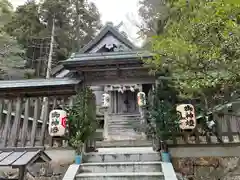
x: 111, y: 64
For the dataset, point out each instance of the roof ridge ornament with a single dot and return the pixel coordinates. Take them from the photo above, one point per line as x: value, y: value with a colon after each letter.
x: 109, y: 23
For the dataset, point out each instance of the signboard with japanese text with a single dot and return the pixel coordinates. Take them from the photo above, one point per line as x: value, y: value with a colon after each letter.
x: 188, y: 118
x: 57, y: 122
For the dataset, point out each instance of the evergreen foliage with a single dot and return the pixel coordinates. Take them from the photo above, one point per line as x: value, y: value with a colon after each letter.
x: 76, y: 23
x: 82, y: 119
x: 10, y: 51
x: 162, y: 109
x: 200, y: 46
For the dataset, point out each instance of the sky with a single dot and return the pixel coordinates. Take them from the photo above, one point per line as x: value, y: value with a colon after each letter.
x: 115, y: 11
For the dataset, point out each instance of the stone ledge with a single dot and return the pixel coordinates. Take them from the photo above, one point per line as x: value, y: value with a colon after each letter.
x: 205, y: 151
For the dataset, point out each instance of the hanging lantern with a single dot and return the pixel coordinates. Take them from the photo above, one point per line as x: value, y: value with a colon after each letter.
x: 188, y: 118
x: 141, y: 97
x: 106, y: 100
x: 132, y: 89
x: 57, y: 122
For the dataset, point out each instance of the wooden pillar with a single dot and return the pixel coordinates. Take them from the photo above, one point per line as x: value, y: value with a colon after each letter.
x: 22, y: 173
x: 25, y: 123
x: 44, y: 124
x: 7, y: 123
x: 35, y: 121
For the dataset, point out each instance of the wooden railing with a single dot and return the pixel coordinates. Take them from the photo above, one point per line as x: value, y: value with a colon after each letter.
x: 21, y: 104
x: 21, y: 124
x: 226, y: 132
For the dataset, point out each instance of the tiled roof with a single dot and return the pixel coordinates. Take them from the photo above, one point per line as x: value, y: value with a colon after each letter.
x: 113, y: 56
x: 16, y: 157
x: 37, y: 83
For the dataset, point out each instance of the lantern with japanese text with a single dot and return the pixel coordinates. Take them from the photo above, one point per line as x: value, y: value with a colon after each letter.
x: 141, y: 98
x: 57, y: 122
x: 106, y: 100
x: 188, y: 118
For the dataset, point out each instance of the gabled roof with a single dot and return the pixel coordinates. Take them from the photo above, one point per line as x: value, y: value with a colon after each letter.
x: 106, y: 30
x: 17, y: 157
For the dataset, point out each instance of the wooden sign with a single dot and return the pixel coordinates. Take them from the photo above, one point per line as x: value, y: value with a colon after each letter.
x: 188, y: 118
x: 57, y: 122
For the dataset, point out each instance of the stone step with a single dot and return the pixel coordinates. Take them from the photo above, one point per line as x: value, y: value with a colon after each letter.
x: 116, y: 125
x: 121, y: 176
x: 121, y: 167
x: 124, y: 120
x: 124, y: 143
x: 121, y: 129
x: 123, y: 157
x: 124, y: 123
x: 125, y: 136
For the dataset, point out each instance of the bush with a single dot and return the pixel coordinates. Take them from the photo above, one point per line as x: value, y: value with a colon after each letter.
x: 82, y: 119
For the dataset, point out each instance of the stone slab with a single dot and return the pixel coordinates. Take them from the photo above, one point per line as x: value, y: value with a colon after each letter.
x: 121, y: 167
x: 121, y: 176
x: 124, y: 157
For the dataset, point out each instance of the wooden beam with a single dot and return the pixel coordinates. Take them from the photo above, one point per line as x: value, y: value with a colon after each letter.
x: 44, y: 124
x: 7, y: 123
x: 16, y: 124
x: 25, y: 123
x: 35, y: 121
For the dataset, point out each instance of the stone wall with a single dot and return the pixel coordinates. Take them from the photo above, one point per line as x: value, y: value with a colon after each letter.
x: 208, y: 163
x: 208, y: 168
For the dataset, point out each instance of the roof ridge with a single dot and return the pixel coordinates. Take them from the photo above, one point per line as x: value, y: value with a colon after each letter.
x: 108, y: 28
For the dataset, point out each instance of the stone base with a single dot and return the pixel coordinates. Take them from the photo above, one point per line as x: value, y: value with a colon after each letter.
x: 208, y: 168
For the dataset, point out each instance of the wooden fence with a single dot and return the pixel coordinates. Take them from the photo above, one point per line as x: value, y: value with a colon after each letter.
x: 21, y: 104
x: 21, y: 124
x: 226, y: 132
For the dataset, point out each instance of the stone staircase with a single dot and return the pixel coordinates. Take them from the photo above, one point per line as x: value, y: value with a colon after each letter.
x: 124, y: 164
x: 124, y: 127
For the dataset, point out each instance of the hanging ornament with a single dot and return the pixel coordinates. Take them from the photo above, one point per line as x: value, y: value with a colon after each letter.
x: 132, y: 89
x: 109, y: 46
x: 111, y: 88
x: 119, y: 89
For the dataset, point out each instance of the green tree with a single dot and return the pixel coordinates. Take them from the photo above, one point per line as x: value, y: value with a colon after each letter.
x: 162, y: 109
x: 82, y: 119
x: 26, y: 26
x: 10, y: 51
x: 153, y: 14
x: 200, y: 46
x: 76, y: 22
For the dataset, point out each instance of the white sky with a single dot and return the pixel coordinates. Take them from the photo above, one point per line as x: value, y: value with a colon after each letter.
x: 115, y: 11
